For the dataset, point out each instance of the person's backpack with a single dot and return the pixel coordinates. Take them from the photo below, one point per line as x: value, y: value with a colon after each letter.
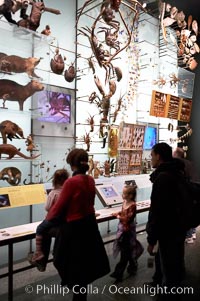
x: 190, y: 205
x: 194, y: 209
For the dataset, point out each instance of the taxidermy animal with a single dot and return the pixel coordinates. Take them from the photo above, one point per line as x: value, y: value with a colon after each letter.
x: 57, y: 63
x: 2, y: 54
x: 17, y: 64
x: 33, y: 21
x: 46, y: 31
x: 10, y: 90
x: 7, y: 7
x: 70, y: 74
x: 10, y: 130
x: 29, y: 143
x: 12, y: 175
x: 11, y: 151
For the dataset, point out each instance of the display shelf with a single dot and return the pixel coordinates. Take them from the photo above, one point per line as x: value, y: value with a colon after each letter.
x: 46, y: 128
x: 13, y: 172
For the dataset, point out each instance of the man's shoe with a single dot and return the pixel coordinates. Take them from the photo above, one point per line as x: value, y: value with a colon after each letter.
x: 132, y: 270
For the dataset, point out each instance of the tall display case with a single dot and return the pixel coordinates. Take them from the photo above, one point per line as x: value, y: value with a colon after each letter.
x: 15, y: 85
x: 47, y: 114
x: 52, y: 140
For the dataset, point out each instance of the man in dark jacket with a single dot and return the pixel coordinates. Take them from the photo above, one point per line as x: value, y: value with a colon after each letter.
x: 191, y: 175
x: 165, y: 219
x: 189, y: 168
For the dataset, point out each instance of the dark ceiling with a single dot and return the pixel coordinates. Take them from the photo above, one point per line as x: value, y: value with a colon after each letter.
x: 189, y: 7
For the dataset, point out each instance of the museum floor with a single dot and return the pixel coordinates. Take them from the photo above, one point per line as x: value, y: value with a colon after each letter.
x: 47, y: 283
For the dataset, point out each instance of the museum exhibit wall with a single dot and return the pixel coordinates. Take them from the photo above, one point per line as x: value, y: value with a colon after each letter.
x: 143, y: 63
x: 49, y: 138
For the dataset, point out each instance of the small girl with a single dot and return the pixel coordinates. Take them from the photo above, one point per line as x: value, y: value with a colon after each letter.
x: 130, y: 248
x: 46, y: 230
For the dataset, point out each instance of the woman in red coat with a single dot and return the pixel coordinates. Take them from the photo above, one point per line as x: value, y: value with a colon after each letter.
x: 79, y: 253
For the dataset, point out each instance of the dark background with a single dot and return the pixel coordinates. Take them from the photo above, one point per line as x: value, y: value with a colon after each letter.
x: 192, y: 7
x: 189, y: 7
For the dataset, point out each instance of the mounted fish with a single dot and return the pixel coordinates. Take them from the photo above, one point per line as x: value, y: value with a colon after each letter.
x: 10, y: 130
x: 12, y: 91
x: 11, y: 175
x: 57, y: 63
x: 17, y: 64
x: 70, y: 74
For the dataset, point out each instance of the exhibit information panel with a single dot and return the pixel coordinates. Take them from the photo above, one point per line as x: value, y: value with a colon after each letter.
x: 170, y: 106
x: 22, y: 195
